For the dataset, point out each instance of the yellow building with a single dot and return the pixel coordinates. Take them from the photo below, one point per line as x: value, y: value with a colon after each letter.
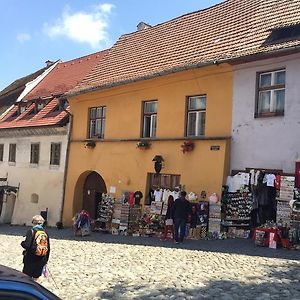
x: 161, y: 86
x: 174, y: 101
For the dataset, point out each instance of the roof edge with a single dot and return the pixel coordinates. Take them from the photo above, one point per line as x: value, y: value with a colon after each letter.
x: 233, y: 61
x: 154, y: 75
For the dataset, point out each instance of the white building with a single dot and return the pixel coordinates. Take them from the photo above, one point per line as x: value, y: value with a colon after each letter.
x: 34, y: 135
x: 265, y: 118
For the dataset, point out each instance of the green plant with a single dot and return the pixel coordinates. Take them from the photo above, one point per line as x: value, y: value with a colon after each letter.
x: 143, y: 145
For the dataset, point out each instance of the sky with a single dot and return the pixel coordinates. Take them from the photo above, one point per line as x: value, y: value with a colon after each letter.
x: 34, y: 31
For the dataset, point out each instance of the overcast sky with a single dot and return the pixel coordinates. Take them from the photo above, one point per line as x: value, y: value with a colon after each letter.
x: 34, y: 31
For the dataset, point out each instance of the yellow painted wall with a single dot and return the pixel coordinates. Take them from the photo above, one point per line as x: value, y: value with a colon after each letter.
x: 122, y: 164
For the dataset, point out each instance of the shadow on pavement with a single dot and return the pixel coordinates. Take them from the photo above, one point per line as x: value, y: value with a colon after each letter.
x: 233, y: 246
x: 281, y: 283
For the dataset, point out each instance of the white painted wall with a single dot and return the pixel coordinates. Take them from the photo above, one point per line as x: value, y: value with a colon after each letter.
x: 273, y: 142
x: 44, y: 180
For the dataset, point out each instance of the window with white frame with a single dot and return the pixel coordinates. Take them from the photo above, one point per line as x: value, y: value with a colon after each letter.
x: 196, y: 112
x: 271, y: 93
x: 149, y: 119
x: 97, y: 122
x: 12, y: 153
x: 35, y: 153
x: 55, y: 154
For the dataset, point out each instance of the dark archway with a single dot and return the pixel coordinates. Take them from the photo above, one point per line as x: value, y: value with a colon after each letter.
x: 93, y: 188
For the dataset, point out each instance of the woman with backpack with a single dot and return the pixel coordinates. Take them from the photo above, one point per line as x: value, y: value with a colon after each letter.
x: 37, y: 248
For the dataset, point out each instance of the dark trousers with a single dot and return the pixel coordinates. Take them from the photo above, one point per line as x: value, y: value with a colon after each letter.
x: 180, y: 225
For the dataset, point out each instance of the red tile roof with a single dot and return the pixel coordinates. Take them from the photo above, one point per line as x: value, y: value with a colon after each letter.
x: 226, y: 31
x: 60, y: 80
x: 44, y: 117
x: 65, y: 76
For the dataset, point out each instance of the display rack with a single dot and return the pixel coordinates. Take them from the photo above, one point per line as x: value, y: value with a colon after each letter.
x: 237, y: 210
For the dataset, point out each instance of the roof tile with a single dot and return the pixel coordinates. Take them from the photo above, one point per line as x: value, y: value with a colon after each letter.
x: 228, y: 30
x: 60, y: 80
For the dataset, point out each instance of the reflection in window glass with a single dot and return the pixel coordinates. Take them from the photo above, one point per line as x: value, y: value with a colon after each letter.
x: 97, y: 122
x: 271, y: 93
x: 196, y: 116
x: 149, y: 120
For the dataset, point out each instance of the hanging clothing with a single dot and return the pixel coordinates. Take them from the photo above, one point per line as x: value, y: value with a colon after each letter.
x: 131, y: 198
x: 270, y: 179
x: 157, y: 195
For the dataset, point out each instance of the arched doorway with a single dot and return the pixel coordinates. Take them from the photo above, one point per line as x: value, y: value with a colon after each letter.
x: 93, y: 188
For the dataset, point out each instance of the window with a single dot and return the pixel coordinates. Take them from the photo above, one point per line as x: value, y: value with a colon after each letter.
x: 35, y: 153
x: 196, y: 115
x: 55, y: 154
x: 12, y: 153
x: 150, y: 117
x: 270, y: 93
x: 97, y: 122
x: 34, y: 198
x: 167, y: 181
x: 22, y: 109
x: 40, y: 106
x: 1, y: 151
x: 284, y: 34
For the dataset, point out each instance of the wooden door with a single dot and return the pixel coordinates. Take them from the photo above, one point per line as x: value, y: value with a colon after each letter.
x: 93, y: 188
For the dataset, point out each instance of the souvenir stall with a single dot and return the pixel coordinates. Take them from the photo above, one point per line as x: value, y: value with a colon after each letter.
x: 125, y: 220
x: 104, y: 214
x: 236, y: 216
x: 258, y: 202
x: 248, y: 201
x: 199, y: 220
x: 156, y: 219
x: 294, y: 232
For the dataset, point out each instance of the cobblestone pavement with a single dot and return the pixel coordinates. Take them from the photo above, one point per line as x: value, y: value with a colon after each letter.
x: 112, y: 267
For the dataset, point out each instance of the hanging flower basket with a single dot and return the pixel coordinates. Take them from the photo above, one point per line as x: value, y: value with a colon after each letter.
x: 90, y: 144
x: 143, y: 145
x: 187, y: 146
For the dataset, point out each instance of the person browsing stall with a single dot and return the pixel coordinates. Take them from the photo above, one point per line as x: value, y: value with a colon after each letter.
x: 182, y: 210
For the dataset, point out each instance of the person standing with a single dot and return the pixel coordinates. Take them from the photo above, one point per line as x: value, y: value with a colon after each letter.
x: 181, y: 212
x: 37, y: 248
x: 169, y: 220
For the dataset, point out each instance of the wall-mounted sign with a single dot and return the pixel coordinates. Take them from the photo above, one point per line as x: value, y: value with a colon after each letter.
x: 214, y: 148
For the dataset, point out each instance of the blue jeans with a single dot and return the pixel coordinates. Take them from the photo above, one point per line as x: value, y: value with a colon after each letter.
x: 180, y: 225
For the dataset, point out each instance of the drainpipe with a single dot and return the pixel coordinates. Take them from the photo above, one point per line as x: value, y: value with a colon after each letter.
x: 66, y: 164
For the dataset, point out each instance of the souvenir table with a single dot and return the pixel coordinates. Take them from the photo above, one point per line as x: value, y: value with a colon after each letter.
x: 267, y: 232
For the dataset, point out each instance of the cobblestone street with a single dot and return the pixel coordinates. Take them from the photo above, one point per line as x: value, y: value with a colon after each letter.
x: 112, y: 267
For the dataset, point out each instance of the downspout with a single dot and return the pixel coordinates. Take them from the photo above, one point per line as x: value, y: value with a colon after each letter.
x: 66, y: 165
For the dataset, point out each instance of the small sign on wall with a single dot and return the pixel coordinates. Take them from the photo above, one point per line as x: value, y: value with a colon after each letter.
x: 214, y: 148
x: 112, y: 190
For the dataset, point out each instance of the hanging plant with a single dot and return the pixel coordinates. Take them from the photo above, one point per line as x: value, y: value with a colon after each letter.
x: 90, y: 144
x: 187, y: 146
x: 143, y: 145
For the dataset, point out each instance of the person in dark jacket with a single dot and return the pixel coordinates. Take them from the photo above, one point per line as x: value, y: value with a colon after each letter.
x: 34, y: 264
x: 182, y: 210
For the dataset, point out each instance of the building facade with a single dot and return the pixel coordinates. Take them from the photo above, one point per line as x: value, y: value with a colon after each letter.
x: 266, y: 111
x: 162, y: 113
x: 34, y: 137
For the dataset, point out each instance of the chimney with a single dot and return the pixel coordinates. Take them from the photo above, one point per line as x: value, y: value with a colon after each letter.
x: 142, y: 26
x: 49, y: 63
